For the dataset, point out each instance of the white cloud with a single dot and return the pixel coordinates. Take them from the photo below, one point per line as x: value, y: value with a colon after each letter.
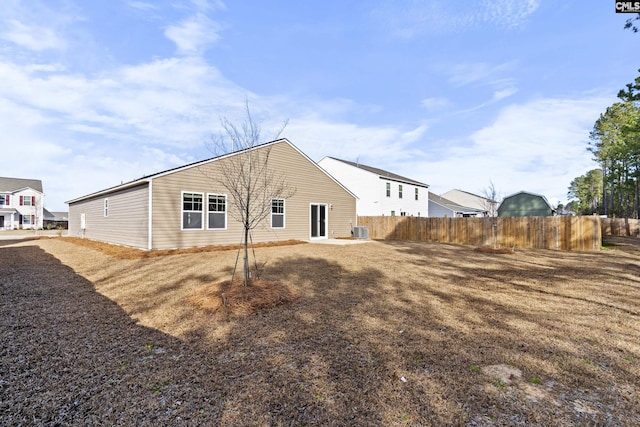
x: 204, y: 5
x: 194, y: 34
x: 485, y: 77
x: 409, y: 19
x: 318, y: 138
x: 110, y: 127
x: 501, y: 94
x: 34, y: 151
x: 467, y: 73
x: 36, y: 26
x: 509, y: 13
x: 135, y: 102
x: 539, y: 146
x: 34, y: 37
x: 434, y: 104
x: 142, y: 6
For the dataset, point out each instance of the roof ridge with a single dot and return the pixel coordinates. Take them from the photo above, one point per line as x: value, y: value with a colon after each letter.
x: 377, y: 171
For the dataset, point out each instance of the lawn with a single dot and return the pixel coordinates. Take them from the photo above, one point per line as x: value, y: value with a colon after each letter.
x: 382, y: 333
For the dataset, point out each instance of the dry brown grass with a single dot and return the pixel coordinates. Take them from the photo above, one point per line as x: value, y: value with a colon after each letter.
x: 124, y: 252
x: 235, y: 298
x: 383, y: 333
x: 492, y: 250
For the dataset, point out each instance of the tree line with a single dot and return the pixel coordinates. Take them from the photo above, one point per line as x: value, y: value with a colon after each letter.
x: 614, y: 188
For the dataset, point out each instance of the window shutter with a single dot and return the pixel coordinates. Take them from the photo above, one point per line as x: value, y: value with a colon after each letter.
x: 6, y: 199
x: 21, y: 205
x: 20, y: 218
x: 33, y: 220
x: 33, y: 200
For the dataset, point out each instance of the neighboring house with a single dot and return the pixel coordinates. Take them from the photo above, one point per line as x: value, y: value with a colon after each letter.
x: 464, y: 198
x: 439, y: 207
x: 379, y: 192
x: 525, y: 204
x: 21, y: 203
x: 55, y: 219
x: 564, y: 211
x: 186, y: 207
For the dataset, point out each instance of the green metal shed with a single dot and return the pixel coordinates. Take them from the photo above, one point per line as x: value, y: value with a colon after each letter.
x: 525, y: 204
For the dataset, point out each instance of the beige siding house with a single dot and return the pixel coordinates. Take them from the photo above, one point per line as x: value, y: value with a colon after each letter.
x: 186, y: 207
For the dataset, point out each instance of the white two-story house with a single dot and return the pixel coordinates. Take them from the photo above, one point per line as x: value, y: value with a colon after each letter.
x: 379, y: 192
x: 21, y: 203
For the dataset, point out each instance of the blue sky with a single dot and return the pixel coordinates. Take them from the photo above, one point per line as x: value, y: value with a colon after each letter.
x: 454, y: 93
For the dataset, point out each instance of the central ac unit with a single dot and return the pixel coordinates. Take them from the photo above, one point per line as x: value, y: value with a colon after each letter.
x: 361, y: 232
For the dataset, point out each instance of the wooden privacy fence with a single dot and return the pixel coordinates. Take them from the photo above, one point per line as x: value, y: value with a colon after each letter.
x: 581, y: 233
x: 620, y: 227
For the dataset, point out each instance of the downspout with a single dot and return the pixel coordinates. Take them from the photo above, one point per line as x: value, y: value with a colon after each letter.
x: 150, y: 216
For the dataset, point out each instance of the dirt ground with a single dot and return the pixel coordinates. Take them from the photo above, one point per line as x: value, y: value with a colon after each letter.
x: 382, y: 333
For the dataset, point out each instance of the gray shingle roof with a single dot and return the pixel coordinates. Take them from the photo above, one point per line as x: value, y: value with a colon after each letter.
x: 452, y: 205
x: 55, y: 216
x: 383, y: 173
x: 13, y: 184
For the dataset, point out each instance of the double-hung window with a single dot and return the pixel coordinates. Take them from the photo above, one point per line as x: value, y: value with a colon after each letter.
x: 2, y: 199
x: 388, y: 189
x: 106, y: 208
x: 217, y: 204
x: 400, y: 191
x: 416, y: 194
x: 277, y: 213
x: 192, y: 211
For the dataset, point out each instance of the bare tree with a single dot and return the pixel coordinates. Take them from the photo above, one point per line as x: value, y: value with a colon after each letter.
x: 491, y: 196
x: 490, y: 204
x: 38, y: 215
x: 248, y: 176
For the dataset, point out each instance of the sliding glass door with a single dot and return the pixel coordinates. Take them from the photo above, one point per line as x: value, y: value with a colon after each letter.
x: 318, y: 221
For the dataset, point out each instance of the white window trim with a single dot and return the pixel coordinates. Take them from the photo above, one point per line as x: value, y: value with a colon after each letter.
x: 226, y: 211
x: 182, y: 211
x: 284, y: 214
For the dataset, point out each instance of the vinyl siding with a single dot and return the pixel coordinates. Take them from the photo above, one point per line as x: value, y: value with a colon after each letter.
x: 311, y: 185
x: 364, y: 184
x: 127, y: 223
x: 33, y: 210
x: 407, y: 204
x: 436, y: 210
x: 371, y: 190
